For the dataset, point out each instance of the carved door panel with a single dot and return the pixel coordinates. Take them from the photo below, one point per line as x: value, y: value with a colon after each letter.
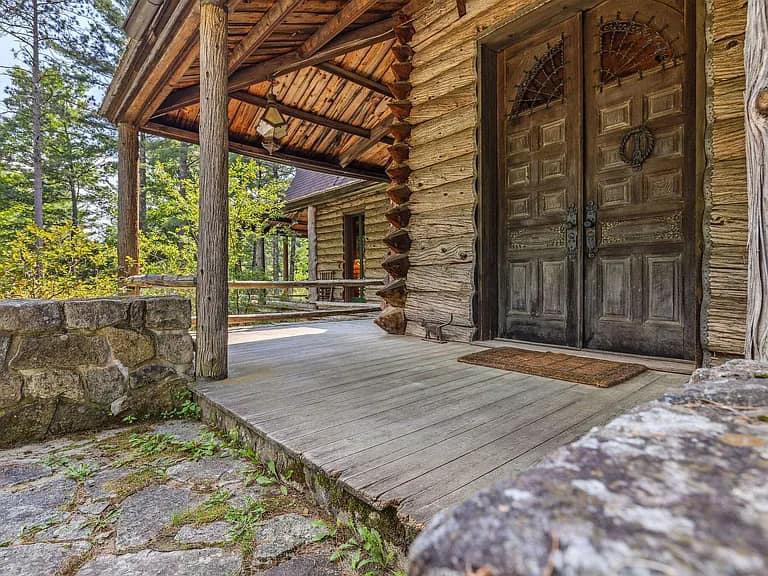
x: 639, y: 277
x: 540, y: 166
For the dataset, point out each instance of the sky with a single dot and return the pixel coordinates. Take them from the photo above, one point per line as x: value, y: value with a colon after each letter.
x: 6, y: 59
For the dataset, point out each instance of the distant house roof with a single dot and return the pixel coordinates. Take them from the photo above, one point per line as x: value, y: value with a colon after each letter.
x: 307, y: 182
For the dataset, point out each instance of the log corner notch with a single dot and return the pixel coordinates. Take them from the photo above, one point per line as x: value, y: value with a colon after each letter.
x: 398, y: 240
x: 756, y: 116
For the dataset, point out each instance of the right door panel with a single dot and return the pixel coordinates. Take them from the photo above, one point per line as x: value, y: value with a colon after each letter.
x: 638, y: 284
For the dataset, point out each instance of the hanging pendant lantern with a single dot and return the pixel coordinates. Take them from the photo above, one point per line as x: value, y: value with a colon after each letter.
x: 273, y: 126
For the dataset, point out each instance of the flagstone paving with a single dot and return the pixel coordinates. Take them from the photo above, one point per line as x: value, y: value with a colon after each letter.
x: 167, y: 499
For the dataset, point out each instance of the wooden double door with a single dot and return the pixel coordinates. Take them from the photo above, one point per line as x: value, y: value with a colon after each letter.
x: 597, y: 238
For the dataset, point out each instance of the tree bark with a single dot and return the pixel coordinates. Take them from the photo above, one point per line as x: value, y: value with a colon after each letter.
x: 275, y: 258
x: 756, y: 103
x: 37, y: 130
x: 143, y: 182
x: 260, y: 265
x: 292, y: 260
x: 212, y: 289
x: 127, y: 201
x: 312, y: 248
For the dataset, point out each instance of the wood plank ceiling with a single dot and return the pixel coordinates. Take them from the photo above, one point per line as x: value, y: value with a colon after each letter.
x: 329, y: 61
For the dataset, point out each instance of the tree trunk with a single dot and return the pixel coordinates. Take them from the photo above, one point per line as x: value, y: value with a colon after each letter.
x: 37, y: 131
x: 259, y: 265
x: 143, y: 183
x: 127, y: 201
x: 756, y: 102
x: 275, y: 258
x: 75, y: 212
x: 292, y: 260
x: 212, y: 290
x: 312, y: 248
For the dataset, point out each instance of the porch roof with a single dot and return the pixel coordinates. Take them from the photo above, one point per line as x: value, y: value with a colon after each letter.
x: 329, y: 60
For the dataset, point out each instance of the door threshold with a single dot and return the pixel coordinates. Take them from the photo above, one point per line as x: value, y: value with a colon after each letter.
x: 670, y: 365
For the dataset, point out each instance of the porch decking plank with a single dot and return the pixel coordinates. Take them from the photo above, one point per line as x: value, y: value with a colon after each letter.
x: 424, y: 504
x: 399, y: 420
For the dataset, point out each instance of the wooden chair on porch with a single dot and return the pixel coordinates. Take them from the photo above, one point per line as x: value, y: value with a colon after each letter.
x: 326, y: 293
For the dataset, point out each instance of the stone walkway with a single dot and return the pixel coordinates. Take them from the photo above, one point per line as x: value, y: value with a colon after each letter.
x: 168, y: 499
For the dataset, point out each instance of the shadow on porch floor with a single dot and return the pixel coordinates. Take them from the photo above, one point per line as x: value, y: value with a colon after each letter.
x: 398, y: 420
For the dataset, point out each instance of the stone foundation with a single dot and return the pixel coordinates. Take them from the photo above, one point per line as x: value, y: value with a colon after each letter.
x: 81, y: 364
x: 677, y: 486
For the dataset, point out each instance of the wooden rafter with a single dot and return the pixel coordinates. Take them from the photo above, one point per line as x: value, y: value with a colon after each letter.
x: 336, y: 24
x: 354, y: 77
x: 378, y: 134
x: 262, y: 30
x: 355, y: 40
x: 305, y: 115
x: 256, y: 151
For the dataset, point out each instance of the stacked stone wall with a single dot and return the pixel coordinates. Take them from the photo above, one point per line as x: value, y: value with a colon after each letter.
x: 67, y: 366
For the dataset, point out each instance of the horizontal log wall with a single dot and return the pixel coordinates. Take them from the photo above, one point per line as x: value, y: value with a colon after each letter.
x: 443, y: 154
x: 725, y: 226
x: 330, y: 233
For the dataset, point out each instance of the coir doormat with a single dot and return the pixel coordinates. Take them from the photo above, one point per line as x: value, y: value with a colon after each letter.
x: 601, y: 373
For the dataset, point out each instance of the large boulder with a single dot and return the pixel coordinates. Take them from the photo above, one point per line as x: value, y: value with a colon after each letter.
x: 168, y: 313
x: 92, y: 314
x: 130, y: 348
x: 60, y: 351
x: 29, y: 316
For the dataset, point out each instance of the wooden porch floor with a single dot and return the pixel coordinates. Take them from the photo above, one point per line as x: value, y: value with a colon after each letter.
x: 399, y: 420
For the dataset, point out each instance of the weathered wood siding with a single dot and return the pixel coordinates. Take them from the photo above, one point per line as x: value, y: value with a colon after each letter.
x: 372, y: 202
x: 725, y: 191
x: 443, y: 157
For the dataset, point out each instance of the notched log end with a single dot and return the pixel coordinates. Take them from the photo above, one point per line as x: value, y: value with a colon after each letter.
x: 392, y: 320
x: 394, y: 293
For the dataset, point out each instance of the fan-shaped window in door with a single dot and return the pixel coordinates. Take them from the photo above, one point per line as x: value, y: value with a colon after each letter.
x: 543, y: 83
x: 629, y: 47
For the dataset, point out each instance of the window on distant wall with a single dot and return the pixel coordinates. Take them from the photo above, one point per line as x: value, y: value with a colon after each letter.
x: 354, y: 253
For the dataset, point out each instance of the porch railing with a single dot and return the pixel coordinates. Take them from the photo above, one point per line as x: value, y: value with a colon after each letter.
x: 321, y: 309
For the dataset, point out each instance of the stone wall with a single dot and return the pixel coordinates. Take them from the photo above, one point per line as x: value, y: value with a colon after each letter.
x: 80, y: 364
x: 677, y: 486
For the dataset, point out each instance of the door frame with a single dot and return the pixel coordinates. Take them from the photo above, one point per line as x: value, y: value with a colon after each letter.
x: 348, y: 248
x: 488, y: 216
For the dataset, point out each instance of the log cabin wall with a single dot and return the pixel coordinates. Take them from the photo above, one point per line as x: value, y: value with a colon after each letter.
x: 373, y: 203
x: 443, y: 157
x: 724, y: 309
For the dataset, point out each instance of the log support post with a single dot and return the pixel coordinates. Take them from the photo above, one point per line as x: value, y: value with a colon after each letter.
x: 127, y: 200
x: 212, y: 288
x: 756, y: 114
x: 312, y: 248
x: 398, y: 240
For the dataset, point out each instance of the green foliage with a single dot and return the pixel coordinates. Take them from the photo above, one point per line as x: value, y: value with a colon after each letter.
x: 366, y: 551
x: 244, y: 520
x: 80, y: 472
x: 213, y: 509
x: 186, y: 407
x: 267, y: 475
x: 152, y: 444
x: 56, y: 262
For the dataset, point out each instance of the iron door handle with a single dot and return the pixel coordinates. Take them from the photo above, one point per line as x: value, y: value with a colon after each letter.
x: 590, y: 229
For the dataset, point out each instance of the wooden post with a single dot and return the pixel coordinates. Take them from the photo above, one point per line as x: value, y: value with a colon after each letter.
x: 312, y: 248
x: 212, y: 252
x: 127, y: 200
x: 286, y: 265
x: 756, y: 102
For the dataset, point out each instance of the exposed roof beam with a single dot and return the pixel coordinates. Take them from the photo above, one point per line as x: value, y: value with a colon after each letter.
x: 361, y: 146
x: 256, y: 151
x: 335, y: 25
x: 262, y: 30
x: 354, y: 77
x: 355, y: 40
x: 345, y: 127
